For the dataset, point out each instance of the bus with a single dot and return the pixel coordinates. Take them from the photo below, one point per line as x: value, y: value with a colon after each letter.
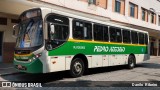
x: 49, y: 40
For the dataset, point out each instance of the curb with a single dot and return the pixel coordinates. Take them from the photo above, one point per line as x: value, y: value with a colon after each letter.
x: 9, y: 73
x: 6, y: 74
x: 154, y: 56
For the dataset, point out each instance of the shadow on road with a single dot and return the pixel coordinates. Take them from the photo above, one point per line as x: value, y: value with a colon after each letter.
x: 149, y: 65
x: 53, y: 78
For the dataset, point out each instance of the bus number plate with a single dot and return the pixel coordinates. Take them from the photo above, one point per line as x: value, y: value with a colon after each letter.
x: 19, y: 66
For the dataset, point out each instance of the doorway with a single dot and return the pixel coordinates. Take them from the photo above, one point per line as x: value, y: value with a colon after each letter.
x: 152, y: 48
x: 1, y: 41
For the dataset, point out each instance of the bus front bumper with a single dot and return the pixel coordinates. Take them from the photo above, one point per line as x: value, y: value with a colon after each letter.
x: 35, y: 66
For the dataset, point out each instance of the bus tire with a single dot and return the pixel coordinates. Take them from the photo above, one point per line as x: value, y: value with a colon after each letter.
x: 77, y: 67
x: 131, y: 62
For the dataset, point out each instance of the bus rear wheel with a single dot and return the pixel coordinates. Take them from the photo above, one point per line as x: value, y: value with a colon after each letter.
x: 77, y: 67
x: 131, y: 62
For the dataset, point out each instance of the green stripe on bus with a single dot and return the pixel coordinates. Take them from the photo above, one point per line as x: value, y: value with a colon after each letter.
x: 73, y: 48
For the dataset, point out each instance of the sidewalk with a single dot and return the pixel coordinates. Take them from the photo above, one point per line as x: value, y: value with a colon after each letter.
x: 8, y: 68
x: 152, y: 57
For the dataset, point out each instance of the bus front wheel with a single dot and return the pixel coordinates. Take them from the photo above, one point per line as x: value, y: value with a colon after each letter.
x: 131, y: 62
x: 77, y: 67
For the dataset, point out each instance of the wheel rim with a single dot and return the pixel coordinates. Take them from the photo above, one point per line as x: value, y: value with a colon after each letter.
x: 77, y: 68
x: 131, y: 62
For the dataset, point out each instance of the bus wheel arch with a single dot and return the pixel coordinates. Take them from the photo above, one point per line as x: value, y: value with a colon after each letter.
x: 81, y: 61
x: 131, y: 61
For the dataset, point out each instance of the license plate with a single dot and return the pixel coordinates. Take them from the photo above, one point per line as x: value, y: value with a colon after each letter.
x: 19, y: 66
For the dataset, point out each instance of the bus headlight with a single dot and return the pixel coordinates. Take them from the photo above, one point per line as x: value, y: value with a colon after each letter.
x: 30, y: 60
x: 38, y: 55
x: 35, y: 57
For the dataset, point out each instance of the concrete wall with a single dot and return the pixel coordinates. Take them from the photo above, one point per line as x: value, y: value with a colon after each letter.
x: 8, y: 41
x: 11, y: 9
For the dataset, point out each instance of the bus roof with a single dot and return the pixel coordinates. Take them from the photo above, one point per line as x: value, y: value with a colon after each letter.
x: 104, y: 22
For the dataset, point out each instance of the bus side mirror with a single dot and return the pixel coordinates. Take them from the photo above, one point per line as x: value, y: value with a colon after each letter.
x: 15, y: 30
x: 51, y: 31
x: 52, y: 28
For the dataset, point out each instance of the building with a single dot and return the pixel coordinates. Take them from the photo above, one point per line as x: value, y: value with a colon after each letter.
x: 9, y: 12
x: 139, y: 14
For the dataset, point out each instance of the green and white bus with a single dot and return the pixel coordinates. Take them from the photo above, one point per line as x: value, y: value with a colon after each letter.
x: 49, y: 40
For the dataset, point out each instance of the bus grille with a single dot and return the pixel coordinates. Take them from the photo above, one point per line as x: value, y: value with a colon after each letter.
x: 22, y: 52
x: 22, y: 59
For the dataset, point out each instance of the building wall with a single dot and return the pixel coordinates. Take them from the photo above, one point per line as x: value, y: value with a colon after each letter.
x: 8, y: 41
x: 82, y: 5
x: 11, y: 9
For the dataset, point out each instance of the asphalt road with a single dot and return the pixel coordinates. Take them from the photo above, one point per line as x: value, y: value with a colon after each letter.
x: 144, y: 76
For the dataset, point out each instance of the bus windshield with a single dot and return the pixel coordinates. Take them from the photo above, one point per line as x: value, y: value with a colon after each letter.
x: 30, y: 33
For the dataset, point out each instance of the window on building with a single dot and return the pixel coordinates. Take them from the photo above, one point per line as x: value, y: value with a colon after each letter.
x: 141, y: 38
x: 126, y: 36
x: 117, y: 6
x: 152, y: 17
x: 143, y: 14
x: 132, y: 10
x: 14, y: 21
x: 3, y: 21
x: 92, y: 2
x: 100, y: 32
x: 82, y: 30
x: 115, y: 34
x: 134, y: 36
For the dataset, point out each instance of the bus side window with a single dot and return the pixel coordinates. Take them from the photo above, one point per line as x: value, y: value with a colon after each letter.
x: 112, y: 32
x: 82, y: 30
x: 126, y: 36
x: 134, y: 37
x: 118, y: 35
x: 58, y: 30
x: 87, y: 31
x: 77, y: 30
x: 105, y: 33
x: 141, y: 38
x: 98, y: 32
x: 146, y: 39
x: 115, y: 34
